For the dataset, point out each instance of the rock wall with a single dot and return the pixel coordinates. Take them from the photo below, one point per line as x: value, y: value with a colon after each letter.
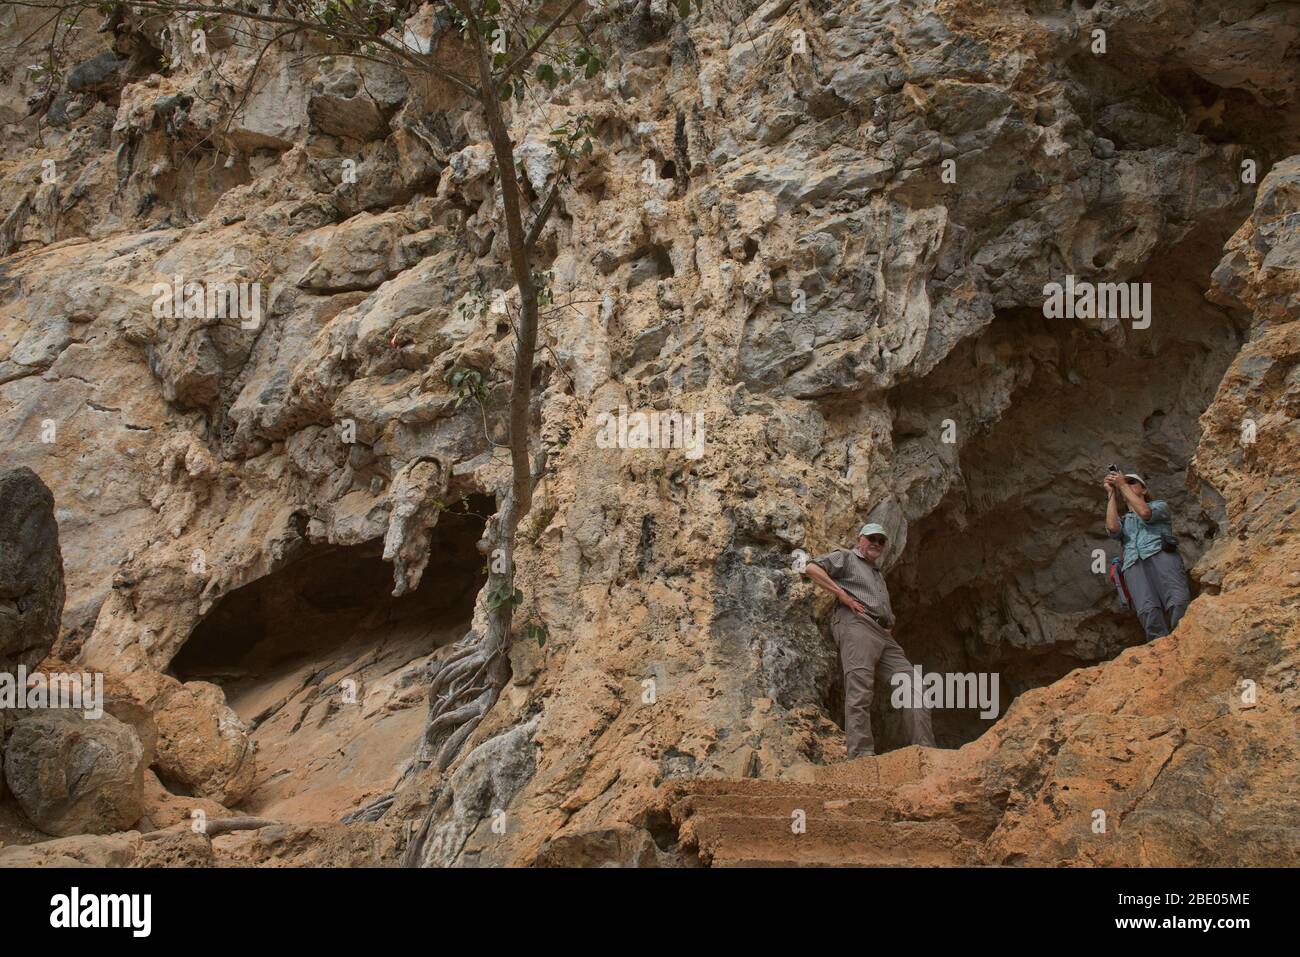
x: 830, y: 250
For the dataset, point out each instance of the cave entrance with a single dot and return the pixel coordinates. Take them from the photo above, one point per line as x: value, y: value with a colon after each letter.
x: 997, y: 575
x: 328, y: 668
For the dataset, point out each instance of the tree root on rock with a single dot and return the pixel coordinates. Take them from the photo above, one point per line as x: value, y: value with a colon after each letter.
x: 465, y: 685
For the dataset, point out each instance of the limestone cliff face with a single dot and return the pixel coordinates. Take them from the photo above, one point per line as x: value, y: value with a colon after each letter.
x: 824, y: 228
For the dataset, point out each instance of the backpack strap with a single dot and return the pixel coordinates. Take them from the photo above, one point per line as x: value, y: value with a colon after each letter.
x: 1117, y: 579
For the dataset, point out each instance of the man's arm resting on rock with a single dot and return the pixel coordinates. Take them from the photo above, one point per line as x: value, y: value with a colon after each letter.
x: 822, y: 580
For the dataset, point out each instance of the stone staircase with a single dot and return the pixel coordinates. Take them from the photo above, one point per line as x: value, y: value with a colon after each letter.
x: 850, y: 818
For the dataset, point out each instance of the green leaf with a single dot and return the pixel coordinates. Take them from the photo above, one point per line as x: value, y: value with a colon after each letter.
x: 683, y: 8
x: 501, y: 595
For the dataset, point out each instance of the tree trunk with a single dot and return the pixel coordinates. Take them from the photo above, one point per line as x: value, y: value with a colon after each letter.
x: 469, y: 681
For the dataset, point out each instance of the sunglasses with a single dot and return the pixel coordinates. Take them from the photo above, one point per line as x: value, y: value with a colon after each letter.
x: 1133, y: 481
x: 876, y: 539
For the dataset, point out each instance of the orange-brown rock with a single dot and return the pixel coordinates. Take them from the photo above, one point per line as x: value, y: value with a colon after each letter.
x: 834, y: 259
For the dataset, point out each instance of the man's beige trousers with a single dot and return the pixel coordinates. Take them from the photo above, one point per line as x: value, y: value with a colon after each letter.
x: 868, y: 652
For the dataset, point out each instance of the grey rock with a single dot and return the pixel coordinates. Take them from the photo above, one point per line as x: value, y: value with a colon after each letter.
x: 484, y: 784
x: 793, y: 185
x: 57, y: 114
x: 74, y: 775
x: 757, y: 621
x: 31, y: 570
x: 99, y: 72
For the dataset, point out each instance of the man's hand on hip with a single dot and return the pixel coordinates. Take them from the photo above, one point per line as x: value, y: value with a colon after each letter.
x: 852, y: 604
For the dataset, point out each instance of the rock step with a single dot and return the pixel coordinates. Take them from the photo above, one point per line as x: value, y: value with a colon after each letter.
x: 757, y: 840
x: 904, y: 766
x: 758, y: 788
x: 823, y: 804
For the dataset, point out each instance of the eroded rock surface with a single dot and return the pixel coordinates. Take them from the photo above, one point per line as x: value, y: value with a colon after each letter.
x: 181, y: 848
x: 838, y: 259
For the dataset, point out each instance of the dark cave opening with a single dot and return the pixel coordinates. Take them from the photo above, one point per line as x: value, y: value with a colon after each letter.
x: 331, y: 595
x: 328, y: 672
x: 998, y: 572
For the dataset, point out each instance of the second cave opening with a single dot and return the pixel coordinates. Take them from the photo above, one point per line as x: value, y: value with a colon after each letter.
x: 999, y: 570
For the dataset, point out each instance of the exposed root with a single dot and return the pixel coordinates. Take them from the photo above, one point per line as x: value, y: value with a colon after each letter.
x: 225, y: 825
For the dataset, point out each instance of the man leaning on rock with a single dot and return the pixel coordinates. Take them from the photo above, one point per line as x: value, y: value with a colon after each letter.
x: 862, y: 624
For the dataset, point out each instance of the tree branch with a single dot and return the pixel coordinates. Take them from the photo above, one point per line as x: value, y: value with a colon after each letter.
x: 544, y: 213
x: 320, y: 28
x: 521, y: 61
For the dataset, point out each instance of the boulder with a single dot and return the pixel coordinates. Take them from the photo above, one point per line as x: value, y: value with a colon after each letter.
x: 198, y: 745
x: 619, y: 846
x: 368, y: 250
x: 31, y: 570
x: 203, y: 746
x: 74, y: 775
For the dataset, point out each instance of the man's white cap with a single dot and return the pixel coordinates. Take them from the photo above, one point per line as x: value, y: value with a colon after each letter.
x: 871, y: 528
x: 1134, y: 475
